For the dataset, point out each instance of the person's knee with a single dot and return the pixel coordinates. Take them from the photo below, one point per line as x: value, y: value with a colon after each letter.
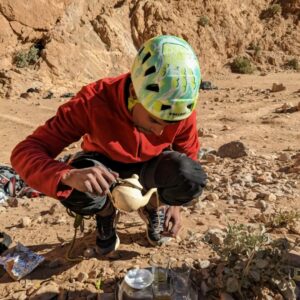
x: 185, y: 179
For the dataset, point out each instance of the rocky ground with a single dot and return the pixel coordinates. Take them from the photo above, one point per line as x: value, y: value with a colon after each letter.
x: 49, y: 49
x: 249, y: 182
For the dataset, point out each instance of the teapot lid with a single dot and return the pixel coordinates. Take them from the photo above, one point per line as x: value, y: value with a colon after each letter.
x: 133, y: 181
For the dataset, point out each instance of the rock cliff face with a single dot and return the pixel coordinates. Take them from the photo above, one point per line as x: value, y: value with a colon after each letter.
x: 78, y: 41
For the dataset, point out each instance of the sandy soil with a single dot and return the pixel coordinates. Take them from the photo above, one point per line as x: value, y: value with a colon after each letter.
x: 242, y: 103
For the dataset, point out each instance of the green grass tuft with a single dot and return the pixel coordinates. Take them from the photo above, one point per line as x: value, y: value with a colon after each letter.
x: 242, y: 65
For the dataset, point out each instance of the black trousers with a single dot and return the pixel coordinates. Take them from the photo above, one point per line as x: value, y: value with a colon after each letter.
x: 178, y: 179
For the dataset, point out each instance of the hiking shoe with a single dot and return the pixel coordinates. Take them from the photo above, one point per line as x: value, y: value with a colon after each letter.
x: 107, y: 240
x: 154, y: 219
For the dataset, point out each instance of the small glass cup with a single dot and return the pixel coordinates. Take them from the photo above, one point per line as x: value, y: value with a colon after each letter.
x: 161, y: 285
x: 180, y: 279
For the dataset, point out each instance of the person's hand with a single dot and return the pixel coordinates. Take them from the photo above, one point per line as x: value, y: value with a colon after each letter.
x: 172, y: 220
x: 94, y: 180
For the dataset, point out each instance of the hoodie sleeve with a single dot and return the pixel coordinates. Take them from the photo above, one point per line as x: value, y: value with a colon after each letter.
x: 33, y: 158
x: 186, y: 141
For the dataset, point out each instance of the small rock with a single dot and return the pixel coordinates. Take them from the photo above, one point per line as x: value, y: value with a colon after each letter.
x: 82, y: 277
x: 201, y: 132
x: 211, y: 135
x: 270, y: 197
x: 286, y: 107
x: 230, y: 202
x: 210, y: 204
x: 109, y: 271
x: 33, y: 90
x: 215, y: 236
x: 261, y: 204
x: 24, y: 95
x: 21, y: 295
x: 89, y: 252
x: 39, y: 219
x: 13, y: 202
x: 204, y: 264
x: 47, y: 292
x: 213, y: 197
x: 264, y: 178
x: 284, y: 157
x: 52, y: 209
x: 278, y: 87
x: 48, y: 95
x: 233, y: 149
x: 67, y: 95
x: 250, y: 196
x: 25, y: 222
x: 210, y: 157
x: 226, y: 127
x: 200, y: 222
x: 60, y: 220
x: 93, y: 274
x: 295, y: 228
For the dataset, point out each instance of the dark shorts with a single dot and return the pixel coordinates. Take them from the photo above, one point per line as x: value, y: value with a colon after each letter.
x: 178, y: 179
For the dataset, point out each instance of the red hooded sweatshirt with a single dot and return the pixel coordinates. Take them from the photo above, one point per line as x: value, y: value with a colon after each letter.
x: 99, y: 114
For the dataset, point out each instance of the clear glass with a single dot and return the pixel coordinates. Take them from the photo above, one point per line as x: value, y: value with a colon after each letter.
x: 161, y: 285
x: 180, y: 278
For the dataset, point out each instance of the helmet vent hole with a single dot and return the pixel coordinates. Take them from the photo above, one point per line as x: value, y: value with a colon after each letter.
x: 150, y: 70
x: 152, y: 87
x: 146, y: 57
x: 141, y: 50
x: 165, y: 107
x: 190, y: 106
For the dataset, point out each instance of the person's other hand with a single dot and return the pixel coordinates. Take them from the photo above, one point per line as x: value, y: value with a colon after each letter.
x: 94, y: 180
x: 172, y: 220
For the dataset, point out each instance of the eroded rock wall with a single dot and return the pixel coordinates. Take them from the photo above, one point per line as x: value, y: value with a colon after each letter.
x: 80, y: 41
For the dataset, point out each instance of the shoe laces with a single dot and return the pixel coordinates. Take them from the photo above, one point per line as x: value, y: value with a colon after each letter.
x: 156, y: 219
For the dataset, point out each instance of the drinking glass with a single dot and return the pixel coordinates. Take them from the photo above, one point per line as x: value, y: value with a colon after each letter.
x: 180, y: 279
x: 161, y: 285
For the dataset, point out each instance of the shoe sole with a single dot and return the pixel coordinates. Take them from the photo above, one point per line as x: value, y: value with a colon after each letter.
x: 106, y: 252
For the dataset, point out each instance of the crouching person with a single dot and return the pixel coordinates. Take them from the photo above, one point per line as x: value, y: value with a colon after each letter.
x: 142, y: 122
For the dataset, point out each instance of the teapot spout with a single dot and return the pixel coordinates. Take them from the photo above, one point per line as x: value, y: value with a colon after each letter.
x: 148, y: 195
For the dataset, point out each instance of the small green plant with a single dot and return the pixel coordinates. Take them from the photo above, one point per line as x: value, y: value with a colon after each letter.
x: 270, y: 12
x: 23, y: 58
x: 275, y: 9
x: 293, y: 64
x: 242, y: 240
x: 284, y: 218
x: 203, y: 21
x: 251, y: 263
x: 242, y: 65
x: 256, y: 48
x: 98, y: 283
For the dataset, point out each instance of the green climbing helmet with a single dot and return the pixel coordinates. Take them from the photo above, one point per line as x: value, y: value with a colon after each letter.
x: 166, y: 77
